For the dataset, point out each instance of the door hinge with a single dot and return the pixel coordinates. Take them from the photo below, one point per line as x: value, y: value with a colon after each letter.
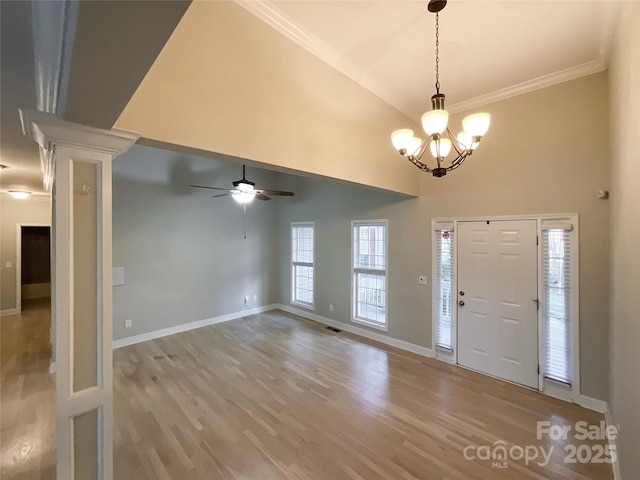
x: 538, y: 369
x: 537, y: 303
x: 537, y: 240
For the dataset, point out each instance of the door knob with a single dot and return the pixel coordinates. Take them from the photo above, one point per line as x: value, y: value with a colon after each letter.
x: 461, y: 303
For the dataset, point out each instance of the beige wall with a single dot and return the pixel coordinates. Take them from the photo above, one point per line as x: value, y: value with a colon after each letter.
x: 624, y: 82
x: 246, y: 90
x: 35, y: 209
x: 547, y: 152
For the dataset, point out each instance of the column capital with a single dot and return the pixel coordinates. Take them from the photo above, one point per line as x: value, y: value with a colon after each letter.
x: 49, y: 130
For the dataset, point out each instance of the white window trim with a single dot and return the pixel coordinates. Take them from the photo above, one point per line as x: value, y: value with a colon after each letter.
x: 546, y: 386
x: 377, y: 326
x: 308, y: 306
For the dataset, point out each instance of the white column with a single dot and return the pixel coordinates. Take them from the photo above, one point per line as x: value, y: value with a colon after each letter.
x: 81, y: 283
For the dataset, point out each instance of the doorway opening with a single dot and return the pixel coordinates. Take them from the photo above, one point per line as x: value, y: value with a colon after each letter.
x: 34, y: 266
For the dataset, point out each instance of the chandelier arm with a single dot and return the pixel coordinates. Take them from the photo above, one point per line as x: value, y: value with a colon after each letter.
x: 423, y: 148
x: 459, y: 161
x: 454, y: 141
x: 422, y: 166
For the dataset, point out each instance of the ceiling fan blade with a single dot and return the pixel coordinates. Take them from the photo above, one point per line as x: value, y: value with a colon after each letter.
x: 262, y: 196
x: 221, y: 195
x: 210, y: 188
x: 277, y: 192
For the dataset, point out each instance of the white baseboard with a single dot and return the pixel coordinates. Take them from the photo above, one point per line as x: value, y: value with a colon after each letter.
x: 185, y: 327
x: 363, y: 332
x: 9, y: 311
x: 594, y: 404
x: 613, y: 447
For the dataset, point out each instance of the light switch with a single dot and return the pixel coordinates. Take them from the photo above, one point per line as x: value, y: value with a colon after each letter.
x: 423, y: 280
x: 118, y: 276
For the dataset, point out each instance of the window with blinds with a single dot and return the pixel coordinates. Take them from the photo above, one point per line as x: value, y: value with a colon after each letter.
x: 443, y: 285
x: 369, y: 273
x: 557, y: 250
x: 302, y: 270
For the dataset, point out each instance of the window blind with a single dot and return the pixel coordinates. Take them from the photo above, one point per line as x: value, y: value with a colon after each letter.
x: 444, y: 241
x: 556, y: 302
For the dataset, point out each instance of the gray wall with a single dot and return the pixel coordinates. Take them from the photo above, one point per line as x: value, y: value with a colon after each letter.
x: 624, y: 82
x: 332, y: 206
x: 184, y: 254
x: 546, y: 152
x: 35, y: 209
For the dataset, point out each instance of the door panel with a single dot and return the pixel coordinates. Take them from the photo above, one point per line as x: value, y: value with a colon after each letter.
x: 497, y: 325
x: 474, y: 342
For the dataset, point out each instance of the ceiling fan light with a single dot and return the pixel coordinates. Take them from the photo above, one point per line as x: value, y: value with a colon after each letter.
x: 243, y: 197
x: 476, y: 125
x: 445, y: 147
x: 435, y: 122
x: 402, y: 139
x: 19, y: 194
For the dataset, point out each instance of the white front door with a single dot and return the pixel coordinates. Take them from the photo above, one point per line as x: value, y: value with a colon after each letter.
x: 497, y: 299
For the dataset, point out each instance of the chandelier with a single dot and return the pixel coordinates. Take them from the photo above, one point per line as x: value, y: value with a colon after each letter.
x: 440, y: 141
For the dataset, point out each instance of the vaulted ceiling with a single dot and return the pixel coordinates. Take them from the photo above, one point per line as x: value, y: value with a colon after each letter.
x: 489, y: 50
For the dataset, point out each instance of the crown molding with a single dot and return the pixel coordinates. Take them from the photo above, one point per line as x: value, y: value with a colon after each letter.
x: 266, y: 11
x: 48, y: 130
x: 545, y: 81
x: 271, y: 15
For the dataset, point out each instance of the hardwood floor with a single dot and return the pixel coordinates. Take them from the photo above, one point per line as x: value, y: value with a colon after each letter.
x: 27, y: 395
x: 274, y: 397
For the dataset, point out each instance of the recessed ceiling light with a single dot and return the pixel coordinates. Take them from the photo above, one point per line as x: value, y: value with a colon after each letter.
x: 19, y: 194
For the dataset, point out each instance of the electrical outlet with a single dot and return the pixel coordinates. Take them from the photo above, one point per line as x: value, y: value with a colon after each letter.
x: 331, y: 307
x: 246, y: 300
x: 128, y: 323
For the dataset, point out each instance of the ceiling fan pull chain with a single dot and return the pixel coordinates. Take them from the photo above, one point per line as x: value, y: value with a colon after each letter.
x: 244, y: 220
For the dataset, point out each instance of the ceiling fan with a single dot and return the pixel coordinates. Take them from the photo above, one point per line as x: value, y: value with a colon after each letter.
x: 244, y: 191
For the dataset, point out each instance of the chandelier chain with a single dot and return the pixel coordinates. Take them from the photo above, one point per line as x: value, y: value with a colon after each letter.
x: 437, y: 54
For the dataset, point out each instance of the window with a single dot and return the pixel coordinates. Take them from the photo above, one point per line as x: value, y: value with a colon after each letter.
x: 443, y: 285
x: 302, y: 264
x: 369, y: 273
x: 557, y: 311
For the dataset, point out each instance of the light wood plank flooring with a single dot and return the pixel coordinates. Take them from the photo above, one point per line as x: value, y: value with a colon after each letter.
x: 274, y: 397
x: 27, y: 395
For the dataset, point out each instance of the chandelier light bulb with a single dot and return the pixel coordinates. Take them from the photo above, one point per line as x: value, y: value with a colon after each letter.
x: 465, y: 141
x: 414, y: 147
x: 477, y: 124
x: 435, y: 122
x: 402, y: 139
x: 445, y: 147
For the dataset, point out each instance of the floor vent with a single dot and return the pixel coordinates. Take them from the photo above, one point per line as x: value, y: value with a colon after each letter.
x: 334, y: 329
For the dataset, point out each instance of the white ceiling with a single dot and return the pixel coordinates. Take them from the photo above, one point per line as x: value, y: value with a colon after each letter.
x: 488, y: 49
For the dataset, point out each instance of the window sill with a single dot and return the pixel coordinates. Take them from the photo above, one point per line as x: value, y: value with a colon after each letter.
x: 377, y: 326
x: 307, y: 306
